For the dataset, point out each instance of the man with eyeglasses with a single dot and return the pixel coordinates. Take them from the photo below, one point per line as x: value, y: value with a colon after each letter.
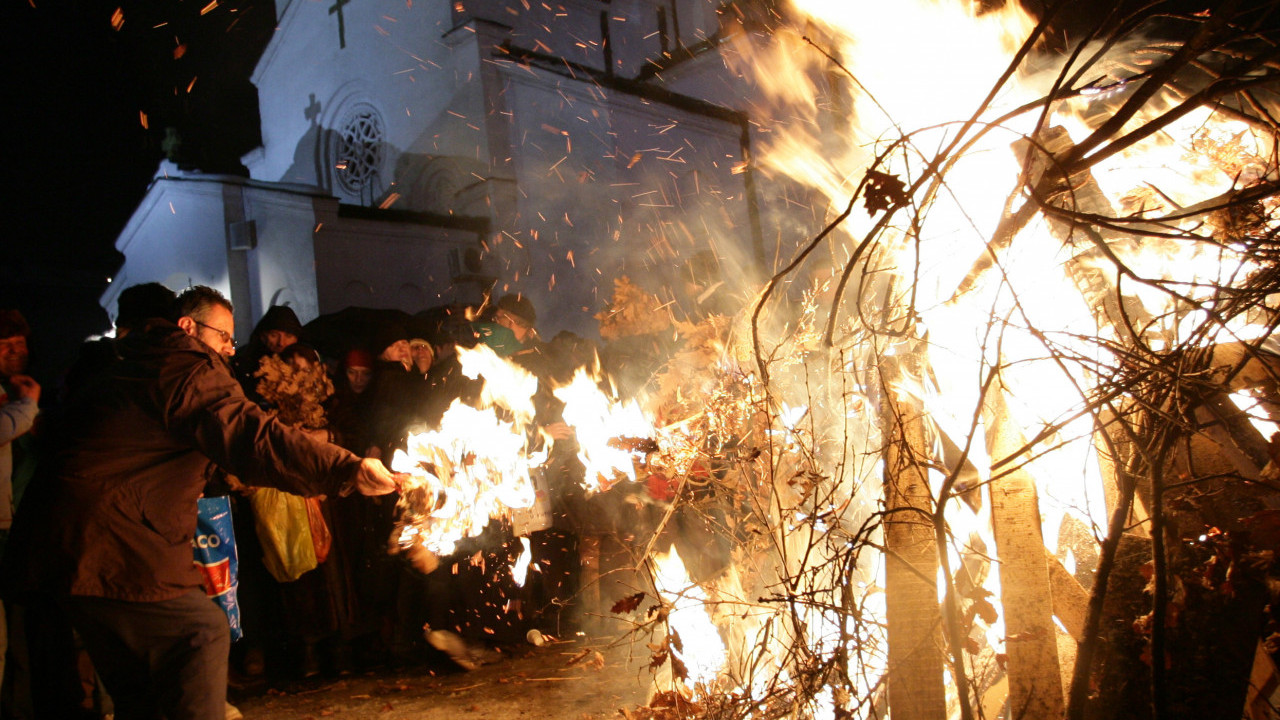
x: 107, y: 525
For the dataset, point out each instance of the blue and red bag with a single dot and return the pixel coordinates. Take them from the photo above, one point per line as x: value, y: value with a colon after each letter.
x: 215, y: 555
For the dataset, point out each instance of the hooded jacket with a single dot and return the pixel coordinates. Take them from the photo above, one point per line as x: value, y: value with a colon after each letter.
x: 112, y: 512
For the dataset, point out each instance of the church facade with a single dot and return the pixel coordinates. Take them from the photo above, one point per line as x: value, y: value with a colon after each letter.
x: 423, y: 152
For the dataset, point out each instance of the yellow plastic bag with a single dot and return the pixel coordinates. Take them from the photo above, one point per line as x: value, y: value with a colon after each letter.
x: 285, y: 533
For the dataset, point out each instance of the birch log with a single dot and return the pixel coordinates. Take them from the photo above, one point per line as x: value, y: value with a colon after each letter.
x: 1035, y: 684
x: 915, y: 621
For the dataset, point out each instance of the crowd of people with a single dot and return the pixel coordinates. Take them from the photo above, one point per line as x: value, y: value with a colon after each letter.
x: 97, y: 559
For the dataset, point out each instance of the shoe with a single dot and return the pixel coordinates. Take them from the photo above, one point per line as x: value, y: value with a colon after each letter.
x: 452, y: 644
x: 233, y: 712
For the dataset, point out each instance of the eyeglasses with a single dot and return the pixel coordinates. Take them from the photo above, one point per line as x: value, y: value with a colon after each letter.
x: 226, y: 336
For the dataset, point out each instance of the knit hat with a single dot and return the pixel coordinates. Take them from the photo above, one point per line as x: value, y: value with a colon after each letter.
x: 519, y: 306
x: 279, y: 317
x: 358, y: 357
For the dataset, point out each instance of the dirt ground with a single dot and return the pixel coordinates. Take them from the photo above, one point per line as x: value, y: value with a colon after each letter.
x: 579, y: 679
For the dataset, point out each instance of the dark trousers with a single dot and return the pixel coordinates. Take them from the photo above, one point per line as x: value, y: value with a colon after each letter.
x: 158, y: 659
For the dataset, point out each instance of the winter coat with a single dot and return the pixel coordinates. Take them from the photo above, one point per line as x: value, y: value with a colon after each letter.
x: 17, y: 415
x: 112, y: 512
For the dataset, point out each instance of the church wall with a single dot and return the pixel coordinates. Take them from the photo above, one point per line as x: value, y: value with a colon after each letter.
x: 642, y: 30
x: 569, y: 29
x: 550, y: 159
x: 177, y: 237
x: 252, y: 243
x: 282, y: 265
x: 381, y: 264
x: 394, y: 63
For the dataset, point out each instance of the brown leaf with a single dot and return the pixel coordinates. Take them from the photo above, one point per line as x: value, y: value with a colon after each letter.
x: 986, y: 611
x: 627, y: 604
x: 884, y: 192
x: 678, y: 668
x: 675, y: 641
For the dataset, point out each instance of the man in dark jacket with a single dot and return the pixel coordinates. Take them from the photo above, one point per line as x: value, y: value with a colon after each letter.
x: 108, y: 523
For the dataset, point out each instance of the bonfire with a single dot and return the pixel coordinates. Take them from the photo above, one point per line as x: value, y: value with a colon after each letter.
x: 995, y: 441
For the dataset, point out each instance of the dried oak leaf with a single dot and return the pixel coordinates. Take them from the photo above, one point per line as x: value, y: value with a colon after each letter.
x: 627, y: 604
x: 985, y: 610
x: 678, y: 668
x: 673, y: 699
x: 884, y: 192
x: 631, y: 311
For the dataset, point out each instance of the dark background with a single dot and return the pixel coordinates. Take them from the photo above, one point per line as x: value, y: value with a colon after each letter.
x: 77, y: 156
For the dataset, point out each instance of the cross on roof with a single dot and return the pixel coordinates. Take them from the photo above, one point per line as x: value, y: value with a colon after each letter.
x: 342, y: 25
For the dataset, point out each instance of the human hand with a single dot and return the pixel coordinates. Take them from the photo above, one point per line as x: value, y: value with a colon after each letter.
x: 422, y: 559
x: 373, y: 478
x: 558, y: 430
x: 25, y: 386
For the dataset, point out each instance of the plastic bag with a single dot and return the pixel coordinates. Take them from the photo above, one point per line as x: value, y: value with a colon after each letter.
x: 321, y: 540
x: 214, y: 548
x: 284, y: 528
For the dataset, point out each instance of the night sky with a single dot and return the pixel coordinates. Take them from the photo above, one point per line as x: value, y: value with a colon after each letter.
x: 78, y: 155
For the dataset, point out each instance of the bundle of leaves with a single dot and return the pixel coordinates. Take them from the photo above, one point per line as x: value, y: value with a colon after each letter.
x: 631, y: 311
x: 296, y: 391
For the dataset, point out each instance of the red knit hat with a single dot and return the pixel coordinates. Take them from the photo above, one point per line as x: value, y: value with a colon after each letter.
x: 358, y: 357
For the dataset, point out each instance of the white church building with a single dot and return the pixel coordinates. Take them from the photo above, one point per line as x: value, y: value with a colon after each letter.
x: 420, y: 152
